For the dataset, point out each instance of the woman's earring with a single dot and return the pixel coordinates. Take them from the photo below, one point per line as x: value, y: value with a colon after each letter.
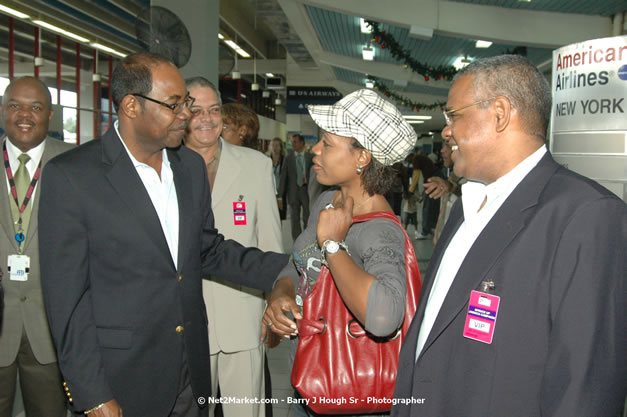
x: 359, y: 169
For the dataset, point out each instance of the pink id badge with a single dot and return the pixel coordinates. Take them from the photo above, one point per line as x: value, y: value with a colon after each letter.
x: 481, y: 317
x: 239, y: 213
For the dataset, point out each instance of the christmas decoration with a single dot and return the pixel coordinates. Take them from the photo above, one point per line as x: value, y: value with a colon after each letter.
x: 387, y: 41
x: 404, y: 101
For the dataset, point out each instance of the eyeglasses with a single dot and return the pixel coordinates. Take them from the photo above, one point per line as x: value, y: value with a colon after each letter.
x: 176, y: 108
x: 447, y: 114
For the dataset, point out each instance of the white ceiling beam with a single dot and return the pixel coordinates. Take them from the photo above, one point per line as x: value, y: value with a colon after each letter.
x: 497, y: 24
x: 275, y: 66
x: 381, y: 70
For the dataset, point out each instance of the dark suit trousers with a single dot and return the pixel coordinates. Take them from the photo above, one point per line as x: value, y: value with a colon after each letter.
x: 186, y: 404
x: 41, y: 385
x: 301, y: 201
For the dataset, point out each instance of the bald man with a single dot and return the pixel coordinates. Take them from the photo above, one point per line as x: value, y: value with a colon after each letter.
x: 26, y: 347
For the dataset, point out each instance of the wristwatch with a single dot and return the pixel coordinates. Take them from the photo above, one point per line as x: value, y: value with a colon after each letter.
x: 330, y: 247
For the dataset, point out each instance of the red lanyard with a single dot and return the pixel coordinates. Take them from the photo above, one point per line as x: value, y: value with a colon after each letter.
x: 31, y: 187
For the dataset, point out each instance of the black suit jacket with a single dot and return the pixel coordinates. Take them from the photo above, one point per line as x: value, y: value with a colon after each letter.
x: 289, y: 181
x: 556, y: 253
x: 121, y: 313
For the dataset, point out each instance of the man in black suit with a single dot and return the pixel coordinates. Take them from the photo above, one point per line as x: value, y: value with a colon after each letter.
x: 126, y: 232
x: 523, y: 307
x: 294, y: 180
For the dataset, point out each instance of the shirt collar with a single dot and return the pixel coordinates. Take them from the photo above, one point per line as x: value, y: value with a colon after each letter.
x: 34, y: 153
x: 474, y: 193
x: 135, y: 162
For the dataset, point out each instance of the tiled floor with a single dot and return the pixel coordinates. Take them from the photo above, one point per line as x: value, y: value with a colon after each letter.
x: 278, y: 357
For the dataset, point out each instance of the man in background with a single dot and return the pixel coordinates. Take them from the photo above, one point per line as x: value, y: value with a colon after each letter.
x: 245, y: 209
x: 26, y: 347
x: 294, y: 180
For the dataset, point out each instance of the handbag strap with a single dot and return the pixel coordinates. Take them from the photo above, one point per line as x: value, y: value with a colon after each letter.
x: 307, y: 327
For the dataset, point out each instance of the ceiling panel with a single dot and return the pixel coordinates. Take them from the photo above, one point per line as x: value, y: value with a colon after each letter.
x: 587, y: 7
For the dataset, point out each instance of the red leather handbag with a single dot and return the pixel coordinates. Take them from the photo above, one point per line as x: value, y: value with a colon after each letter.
x: 339, y: 367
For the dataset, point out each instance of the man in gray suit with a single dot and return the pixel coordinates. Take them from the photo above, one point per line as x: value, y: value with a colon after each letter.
x: 523, y: 307
x: 25, y: 343
x: 294, y: 179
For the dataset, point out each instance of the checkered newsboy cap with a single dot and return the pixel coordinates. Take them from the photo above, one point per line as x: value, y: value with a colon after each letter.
x: 374, y: 122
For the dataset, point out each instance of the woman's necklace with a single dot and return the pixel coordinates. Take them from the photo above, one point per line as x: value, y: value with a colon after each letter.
x: 363, y: 202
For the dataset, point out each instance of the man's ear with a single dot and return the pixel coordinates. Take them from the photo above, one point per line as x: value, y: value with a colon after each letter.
x: 503, y: 110
x: 130, y: 107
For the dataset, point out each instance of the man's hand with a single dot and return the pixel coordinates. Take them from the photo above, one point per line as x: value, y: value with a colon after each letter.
x: 280, y: 300
x: 333, y: 223
x: 279, y: 202
x: 436, y: 187
x: 109, y: 409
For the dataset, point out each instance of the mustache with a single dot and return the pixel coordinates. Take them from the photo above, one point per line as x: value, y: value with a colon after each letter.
x: 205, y: 125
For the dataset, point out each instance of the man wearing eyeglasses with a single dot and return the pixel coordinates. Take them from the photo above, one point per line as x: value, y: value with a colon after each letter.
x: 126, y: 231
x: 523, y: 308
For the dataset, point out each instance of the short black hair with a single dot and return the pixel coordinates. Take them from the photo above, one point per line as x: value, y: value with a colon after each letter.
x: 133, y: 75
x: 43, y: 86
x: 300, y: 138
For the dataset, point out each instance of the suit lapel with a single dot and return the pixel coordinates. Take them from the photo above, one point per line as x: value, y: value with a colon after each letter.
x: 124, y: 179
x: 508, y: 221
x: 228, y: 171
x: 183, y: 185
x: 49, y: 152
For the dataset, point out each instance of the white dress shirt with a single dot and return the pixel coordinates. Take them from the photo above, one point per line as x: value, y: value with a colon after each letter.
x: 162, y: 193
x: 35, y: 156
x: 475, y: 220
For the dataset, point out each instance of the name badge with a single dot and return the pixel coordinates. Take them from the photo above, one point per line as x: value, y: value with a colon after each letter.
x: 19, y: 267
x: 239, y: 213
x: 481, y: 316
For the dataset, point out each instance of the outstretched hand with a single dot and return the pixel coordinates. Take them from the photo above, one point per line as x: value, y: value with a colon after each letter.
x: 281, y: 300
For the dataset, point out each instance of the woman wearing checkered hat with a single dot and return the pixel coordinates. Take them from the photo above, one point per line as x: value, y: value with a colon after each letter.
x: 362, y: 136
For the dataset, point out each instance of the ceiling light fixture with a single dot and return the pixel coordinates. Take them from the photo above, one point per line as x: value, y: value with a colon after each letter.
x: 415, y: 122
x: 483, y: 44
x: 237, y: 48
x: 365, y: 27
x: 265, y: 94
x: 107, y: 49
x: 412, y: 117
x: 13, y: 12
x: 277, y: 101
x: 367, y: 53
x: 269, y: 74
x: 254, y: 86
x: 57, y: 29
x: 369, y: 84
x: 220, y: 36
x: 461, y: 62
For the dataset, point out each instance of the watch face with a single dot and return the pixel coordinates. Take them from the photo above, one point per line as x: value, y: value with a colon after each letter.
x: 332, y: 247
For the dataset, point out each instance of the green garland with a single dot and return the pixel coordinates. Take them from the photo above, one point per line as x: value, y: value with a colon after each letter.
x: 404, y: 101
x: 386, y: 40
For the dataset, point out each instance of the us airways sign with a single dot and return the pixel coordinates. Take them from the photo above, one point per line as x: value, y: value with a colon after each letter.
x: 589, y: 113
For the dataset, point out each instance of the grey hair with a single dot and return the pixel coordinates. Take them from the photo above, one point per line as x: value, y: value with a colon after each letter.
x: 516, y: 78
x: 202, y: 82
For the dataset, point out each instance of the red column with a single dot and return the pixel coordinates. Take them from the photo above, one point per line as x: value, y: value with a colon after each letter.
x: 36, y: 50
x: 110, y: 92
x: 96, y: 98
x: 11, y: 50
x: 59, y: 69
